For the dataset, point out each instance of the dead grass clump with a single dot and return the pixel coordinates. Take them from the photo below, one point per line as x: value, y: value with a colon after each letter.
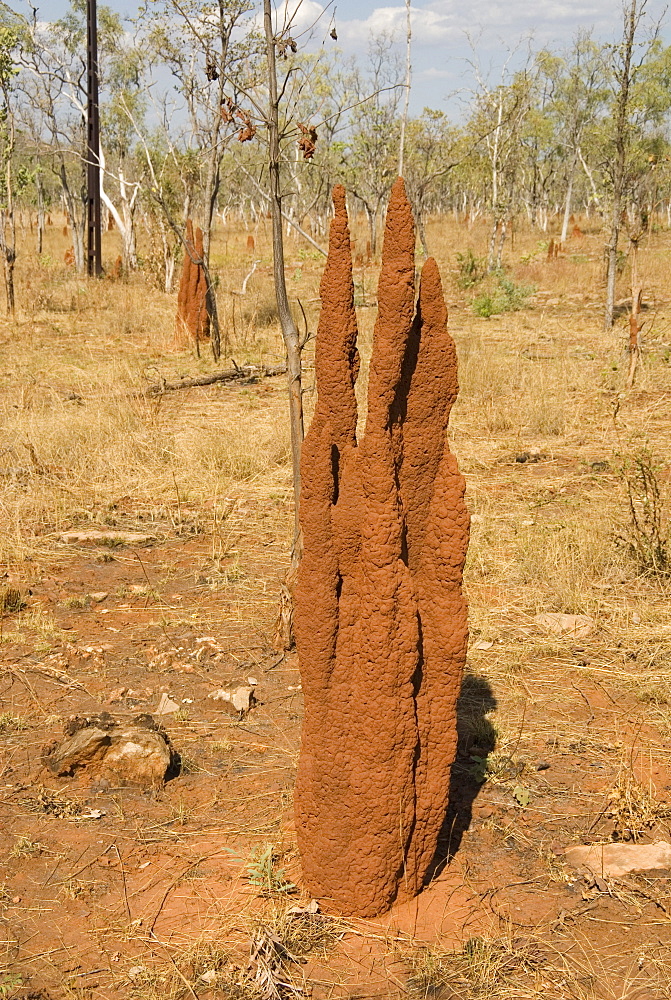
x: 485, y: 969
x: 11, y: 600
x: 204, y: 966
x: 262, y: 315
x: 241, y: 447
x: 561, y: 563
x: 304, y: 930
x: 646, y: 536
x: 633, y: 809
x: 12, y: 723
x: 52, y: 803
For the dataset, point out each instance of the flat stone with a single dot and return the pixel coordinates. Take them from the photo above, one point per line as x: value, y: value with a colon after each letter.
x: 620, y: 859
x: 84, y: 748
x: 241, y: 698
x: 576, y: 626
x: 166, y: 705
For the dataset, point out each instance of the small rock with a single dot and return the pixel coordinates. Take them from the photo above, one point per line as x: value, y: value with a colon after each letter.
x: 138, y: 757
x: 542, y: 765
x: 620, y: 859
x: 482, y: 644
x: 166, y: 706
x: 209, y: 977
x: 577, y: 626
x: 533, y: 455
x: 92, y: 814
x: 99, y: 596
x: 300, y: 911
x: 85, y: 747
x: 241, y: 698
x: 636, y: 618
x: 137, y: 972
x: 138, y: 753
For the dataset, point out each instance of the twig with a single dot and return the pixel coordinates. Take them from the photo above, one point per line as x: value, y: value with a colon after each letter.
x: 176, y: 967
x: 123, y: 880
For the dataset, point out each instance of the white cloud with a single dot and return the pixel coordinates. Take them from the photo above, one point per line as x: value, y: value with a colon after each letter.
x: 429, y: 26
x: 298, y: 16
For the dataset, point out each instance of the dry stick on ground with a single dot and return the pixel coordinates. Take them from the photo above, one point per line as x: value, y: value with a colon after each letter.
x: 236, y: 374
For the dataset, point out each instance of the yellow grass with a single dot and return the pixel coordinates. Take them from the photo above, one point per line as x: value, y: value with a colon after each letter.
x: 80, y: 446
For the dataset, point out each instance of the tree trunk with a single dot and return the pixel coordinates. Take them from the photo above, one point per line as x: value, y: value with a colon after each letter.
x: 408, y: 82
x: 491, y: 257
x: 634, y: 325
x: 9, y: 260
x: 611, y: 264
x: 619, y: 165
x: 40, y: 213
x: 372, y: 229
x: 289, y: 329
x: 569, y: 195
x: 76, y: 225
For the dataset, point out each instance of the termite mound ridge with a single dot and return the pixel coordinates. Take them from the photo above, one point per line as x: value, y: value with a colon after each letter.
x: 192, y: 321
x: 380, y: 619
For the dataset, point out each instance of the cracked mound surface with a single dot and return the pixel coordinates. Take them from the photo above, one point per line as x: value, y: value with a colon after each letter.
x: 380, y: 619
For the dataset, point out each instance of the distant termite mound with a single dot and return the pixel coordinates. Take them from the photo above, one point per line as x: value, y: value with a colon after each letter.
x: 380, y: 620
x: 192, y: 321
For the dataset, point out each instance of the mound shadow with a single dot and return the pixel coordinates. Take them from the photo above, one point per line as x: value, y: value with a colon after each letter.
x: 476, y: 739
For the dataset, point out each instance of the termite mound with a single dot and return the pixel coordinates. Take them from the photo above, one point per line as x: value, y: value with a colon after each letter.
x: 192, y: 321
x: 380, y: 621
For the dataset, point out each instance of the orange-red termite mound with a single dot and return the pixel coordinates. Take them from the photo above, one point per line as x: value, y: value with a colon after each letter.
x: 380, y: 620
x: 192, y: 321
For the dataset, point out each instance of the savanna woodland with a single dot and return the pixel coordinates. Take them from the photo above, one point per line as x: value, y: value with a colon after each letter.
x: 157, y: 574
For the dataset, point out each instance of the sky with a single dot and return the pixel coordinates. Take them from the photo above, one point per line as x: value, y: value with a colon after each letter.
x: 441, y: 51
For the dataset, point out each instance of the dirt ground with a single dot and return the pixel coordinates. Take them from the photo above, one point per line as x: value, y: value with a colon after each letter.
x: 194, y: 889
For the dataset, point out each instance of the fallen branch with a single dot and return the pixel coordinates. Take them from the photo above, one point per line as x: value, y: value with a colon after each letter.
x: 236, y: 374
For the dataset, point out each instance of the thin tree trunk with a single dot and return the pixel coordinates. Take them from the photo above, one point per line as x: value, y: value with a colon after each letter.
x: 8, y: 241
x: 491, y: 257
x: 289, y: 329
x: 408, y: 82
x: 8, y: 262
x: 569, y: 195
x: 502, y: 239
x: 372, y: 230
x: 634, y: 325
x: 611, y: 264
x: 40, y: 213
x: 619, y: 166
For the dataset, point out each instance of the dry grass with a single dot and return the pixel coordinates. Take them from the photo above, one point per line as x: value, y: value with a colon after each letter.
x: 80, y: 447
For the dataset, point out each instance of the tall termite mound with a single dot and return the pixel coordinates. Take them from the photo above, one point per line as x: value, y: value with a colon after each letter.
x: 192, y: 321
x: 380, y: 620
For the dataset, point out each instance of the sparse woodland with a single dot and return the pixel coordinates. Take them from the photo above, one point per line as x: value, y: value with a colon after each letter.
x: 147, y: 504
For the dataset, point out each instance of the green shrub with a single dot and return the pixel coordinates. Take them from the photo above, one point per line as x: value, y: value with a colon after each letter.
x: 506, y: 296
x: 471, y: 269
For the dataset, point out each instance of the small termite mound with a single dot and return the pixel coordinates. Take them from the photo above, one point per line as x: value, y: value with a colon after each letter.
x: 192, y: 322
x: 380, y: 619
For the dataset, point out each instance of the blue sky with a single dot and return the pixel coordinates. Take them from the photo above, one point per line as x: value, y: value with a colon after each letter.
x: 440, y: 45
